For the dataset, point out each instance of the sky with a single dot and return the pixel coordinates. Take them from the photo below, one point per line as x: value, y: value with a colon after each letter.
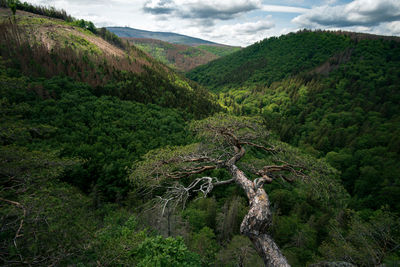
x: 237, y: 22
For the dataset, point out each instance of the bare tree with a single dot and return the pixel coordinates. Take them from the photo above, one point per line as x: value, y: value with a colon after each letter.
x: 223, y: 143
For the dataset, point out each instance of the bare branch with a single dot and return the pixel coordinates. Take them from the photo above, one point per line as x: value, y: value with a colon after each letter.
x: 189, y: 172
x: 179, y: 194
x: 21, y: 223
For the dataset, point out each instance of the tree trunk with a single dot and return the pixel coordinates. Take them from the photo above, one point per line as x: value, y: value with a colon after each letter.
x: 257, y: 221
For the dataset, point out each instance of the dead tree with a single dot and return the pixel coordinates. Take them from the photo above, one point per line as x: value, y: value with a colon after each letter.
x: 223, y: 143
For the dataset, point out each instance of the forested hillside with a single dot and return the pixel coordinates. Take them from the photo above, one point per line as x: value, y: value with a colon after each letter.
x: 181, y: 57
x: 78, y: 106
x: 110, y: 158
x: 334, y: 94
x: 44, y: 47
x: 178, y: 51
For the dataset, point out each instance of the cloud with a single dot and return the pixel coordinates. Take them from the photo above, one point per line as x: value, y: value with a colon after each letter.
x: 224, y: 10
x: 357, y: 13
x: 241, y: 33
x: 157, y: 7
x: 253, y: 27
x: 284, y: 9
x: 394, y: 27
x: 201, y: 9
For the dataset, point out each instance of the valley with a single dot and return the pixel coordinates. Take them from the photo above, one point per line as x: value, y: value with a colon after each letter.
x: 124, y: 147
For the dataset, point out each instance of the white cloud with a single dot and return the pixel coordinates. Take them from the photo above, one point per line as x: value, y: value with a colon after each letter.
x: 236, y: 22
x: 357, y: 13
x: 253, y: 27
x: 284, y: 9
x: 242, y: 33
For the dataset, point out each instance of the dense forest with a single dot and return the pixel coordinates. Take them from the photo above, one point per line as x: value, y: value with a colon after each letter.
x: 95, y: 135
x: 340, y: 102
x: 333, y: 94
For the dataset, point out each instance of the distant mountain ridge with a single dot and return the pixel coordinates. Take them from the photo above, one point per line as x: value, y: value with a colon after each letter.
x: 169, y: 37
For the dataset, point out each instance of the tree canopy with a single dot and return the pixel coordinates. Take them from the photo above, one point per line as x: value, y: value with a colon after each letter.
x: 223, y: 141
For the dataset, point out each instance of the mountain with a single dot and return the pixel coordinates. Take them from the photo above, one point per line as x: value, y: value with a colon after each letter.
x: 102, y: 148
x: 178, y: 51
x: 179, y: 56
x: 163, y: 36
x: 276, y: 58
x: 89, y: 55
x: 335, y: 94
x: 76, y: 68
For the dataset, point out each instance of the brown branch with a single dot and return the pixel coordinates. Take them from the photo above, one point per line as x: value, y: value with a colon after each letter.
x: 258, y: 146
x: 11, y: 202
x: 203, y: 159
x: 266, y: 172
x: 239, y: 153
x: 278, y: 168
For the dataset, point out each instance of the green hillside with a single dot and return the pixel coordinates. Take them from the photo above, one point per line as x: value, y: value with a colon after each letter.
x: 270, y: 60
x: 219, y: 50
x: 334, y: 94
x: 108, y: 157
x: 45, y: 47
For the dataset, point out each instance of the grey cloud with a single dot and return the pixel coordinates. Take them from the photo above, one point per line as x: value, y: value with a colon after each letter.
x: 160, y: 7
x: 158, y: 10
x: 205, y: 11
x: 357, y: 13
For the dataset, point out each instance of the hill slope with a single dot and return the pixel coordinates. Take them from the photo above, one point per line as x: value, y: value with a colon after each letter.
x: 334, y: 94
x: 178, y: 56
x: 72, y: 130
x: 57, y: 47
x: 75, y: 86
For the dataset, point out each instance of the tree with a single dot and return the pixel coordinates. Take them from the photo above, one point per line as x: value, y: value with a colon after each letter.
x: 12, y: 4
x: 223, y: 141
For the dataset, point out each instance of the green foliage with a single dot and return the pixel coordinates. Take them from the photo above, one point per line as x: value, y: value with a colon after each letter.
x: 345, y: 110
x: 270, y: 60
x: 370, y: 241
x: 169, y: 252
x: 118, y: 239
x: 45, y: 220
x: 309, y: 203
x: 88, y: 25
x: 134, y: 76
x: 12, y: 4
x: 340, y: 105
x: 201, y: 213
x: 205, y: 244
x: 105, y: 132
x: 62, y: 14
x: 239, y: 252
x: 66, y: 144
x: 41, y: 10
x: 220, y: 51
